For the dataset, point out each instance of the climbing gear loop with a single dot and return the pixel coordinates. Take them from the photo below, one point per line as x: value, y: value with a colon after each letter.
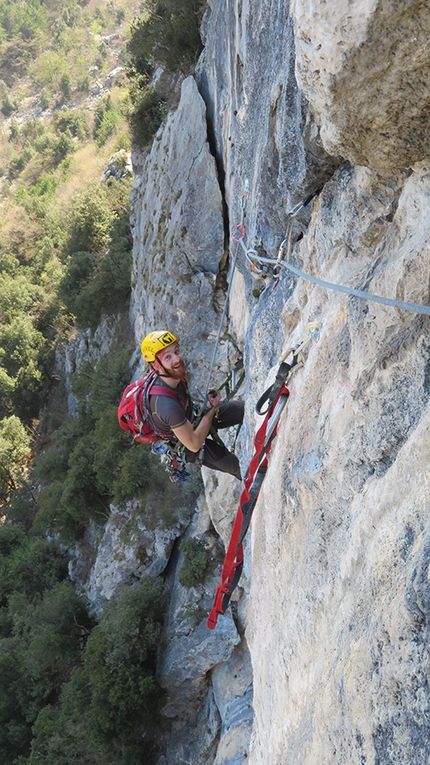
x: 287, y: 367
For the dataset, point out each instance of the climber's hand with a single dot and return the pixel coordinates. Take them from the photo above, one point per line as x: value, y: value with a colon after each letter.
x: 213, y: 399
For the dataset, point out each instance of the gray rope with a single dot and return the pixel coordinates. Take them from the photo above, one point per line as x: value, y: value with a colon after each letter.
x: 424, y: 309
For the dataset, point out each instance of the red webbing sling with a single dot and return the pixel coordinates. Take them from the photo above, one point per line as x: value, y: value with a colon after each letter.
x: 233, y: 561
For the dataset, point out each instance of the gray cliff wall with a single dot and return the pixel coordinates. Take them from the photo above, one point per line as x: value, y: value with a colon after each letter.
x: 330, y: 624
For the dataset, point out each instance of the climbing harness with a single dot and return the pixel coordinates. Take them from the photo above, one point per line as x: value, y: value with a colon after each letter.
x: 274, y: 400
x: 172, y: 456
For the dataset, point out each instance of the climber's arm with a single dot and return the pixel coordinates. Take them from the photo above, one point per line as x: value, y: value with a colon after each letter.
x: 194, y: 438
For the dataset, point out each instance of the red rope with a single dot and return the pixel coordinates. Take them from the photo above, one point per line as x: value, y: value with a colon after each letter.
x: 233, y: 561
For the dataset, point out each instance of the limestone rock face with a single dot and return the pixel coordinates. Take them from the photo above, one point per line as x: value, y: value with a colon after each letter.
x: 337, y: 616
x: 191, y: 654
x: 178, y: 241
x: 266, y: 141
x: 332, y: 613
x: 364, y: 67
x: 232, y: 684
x: 88, y: 346
x: 134, y: 543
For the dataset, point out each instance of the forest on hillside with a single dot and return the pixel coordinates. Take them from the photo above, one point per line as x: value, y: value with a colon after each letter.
x: 76, y: 89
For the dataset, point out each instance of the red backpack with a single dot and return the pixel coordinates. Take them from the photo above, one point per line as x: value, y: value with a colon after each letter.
x: 134, y: 414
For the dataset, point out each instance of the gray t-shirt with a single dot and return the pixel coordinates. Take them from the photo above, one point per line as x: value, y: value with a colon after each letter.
x: 168, y: 412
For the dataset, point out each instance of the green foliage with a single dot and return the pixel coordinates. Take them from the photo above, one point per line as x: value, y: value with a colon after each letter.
x: 66, y: 85
x: 84, y: 83
x: 167, y: 35
x: 196, y: 558
x: 27, y: 308
x: 79, y: 268
x: 109, y: 706
x: 46, y: 148
x: 84, y: 457
x: 120, y: 659
x: 14, y: 133
x: 106, y: 119
x: 22, y: 358
x: 44, y: 98
x: 30, y: 566
x: 40, y: 615
x: 39, y: 645
x: 146, y: 115
x: 27, y: 19
x: 8, y: 105
x: 136, y: 475
x: 90, y: 221
x: 14, y: 454
x: 50, y: 68
x: 70, y: 498
x: 35, y: 200
x: 98, y: 269
x: 72, y: 121
x: 101, y: 385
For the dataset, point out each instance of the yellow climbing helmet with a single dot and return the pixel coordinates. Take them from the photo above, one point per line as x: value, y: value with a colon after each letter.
x: 156, y: 342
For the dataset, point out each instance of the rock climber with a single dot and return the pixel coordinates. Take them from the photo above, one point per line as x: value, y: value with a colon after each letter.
x: 162, y: 352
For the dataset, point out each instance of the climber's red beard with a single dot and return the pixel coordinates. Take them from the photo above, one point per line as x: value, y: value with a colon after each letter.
x: 176, y: 371
x: 171, y: 363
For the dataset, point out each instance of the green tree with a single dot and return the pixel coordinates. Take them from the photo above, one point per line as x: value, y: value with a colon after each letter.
x: 45, y: 98
x: 98, y: 268
x: 43, y: 645
x: 14, y: 454
x: 14, y: 131
x: 8, y: 106
x: 36, y: 566
x: 27, y: 19
x: 108, y: 708
x: 73, y: 121
x: 66, y: 85
x: 106, y: 119
x: 90, y: 221
x: 167, y: 34
x: 196, y: 559
x: 149, y: 110
x: 22, y: 350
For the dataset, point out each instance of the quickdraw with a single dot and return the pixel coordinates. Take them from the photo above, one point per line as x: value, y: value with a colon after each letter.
x: 274, y: 400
